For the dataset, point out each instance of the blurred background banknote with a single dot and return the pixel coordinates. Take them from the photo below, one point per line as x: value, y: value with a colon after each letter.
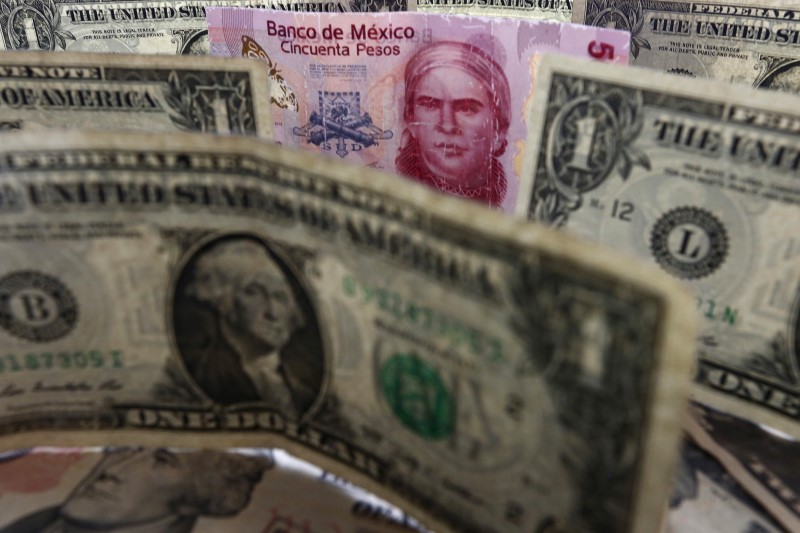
x: 757, y: 43
x: 560, y: 10
x: 162, y: 289
x: 136, y: 27
x: 764, y: 462
x: 705, y: 498
x: 182, y: 490
x: 699, y: 179
x: 104, y: 92
x: 440, y: 100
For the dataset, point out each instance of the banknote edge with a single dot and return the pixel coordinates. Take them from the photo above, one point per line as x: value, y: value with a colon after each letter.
x: 254, y: 69
x: 644, y: 78
x: 734, y: 467
x: 674, y: 354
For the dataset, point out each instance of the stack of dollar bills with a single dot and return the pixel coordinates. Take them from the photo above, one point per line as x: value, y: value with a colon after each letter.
x: 386, y: 265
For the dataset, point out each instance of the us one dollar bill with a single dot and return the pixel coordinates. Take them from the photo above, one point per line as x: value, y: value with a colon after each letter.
x: 560, y: 10
x: 183, y: 289
x: 705, y: 497
x: 440, y: 100
x: 698, y: 178
x: 763, y: 462
x: 137, y: 27
x: 155, y: 94
x: 749, y: 42
x: 183, y: 490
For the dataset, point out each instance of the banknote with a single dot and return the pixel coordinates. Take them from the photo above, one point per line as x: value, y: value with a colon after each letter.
x: 763, y: 461
x: 743, y: 41
x: 705, y: 497
x: 172, y: 290
x: 437, y: 99
x: 560, y: 10
x: 182, y: 490
x: 366, y: 505
x: 139, y: 26
x: 699, y: 179
x: 104, y: 92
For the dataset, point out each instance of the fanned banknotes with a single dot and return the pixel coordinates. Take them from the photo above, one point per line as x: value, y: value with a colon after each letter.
x: 705, y: 498
x: 756, y: 43
x: 162, y: 490
x: 104, y: 92
x: 440, y: 100
x: 172, y: 290
x: 137, y: 27
x: 699, y: 178
x: 763, y: 462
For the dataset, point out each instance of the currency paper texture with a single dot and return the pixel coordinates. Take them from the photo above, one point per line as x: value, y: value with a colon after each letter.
x: 173, y: 290
x: 560, y: 10
x: 155, y: 94
x: 163, y: 490
x: 706, y: 498
x: 700, y: 179
x: 764, y: 463
x: 440, y: 100
x: 756, y: 43
x: 137, y: 27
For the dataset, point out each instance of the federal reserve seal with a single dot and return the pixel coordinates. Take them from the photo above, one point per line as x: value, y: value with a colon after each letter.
x: 36, y: 307
x: 689, y: 242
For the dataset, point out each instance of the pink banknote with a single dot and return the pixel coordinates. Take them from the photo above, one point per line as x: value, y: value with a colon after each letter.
x: 438, y: 99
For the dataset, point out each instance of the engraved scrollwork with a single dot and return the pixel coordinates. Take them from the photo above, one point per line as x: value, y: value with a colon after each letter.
x: 209, y: 105
x: 181, y: 37
x: 776, y: 72
x: 774, y: 362
x: 184, y: 238
x: 191, y: 42
x: 780, y: 359
x: 591, y: 133
x: 622, y: 15
x: 33, y: 25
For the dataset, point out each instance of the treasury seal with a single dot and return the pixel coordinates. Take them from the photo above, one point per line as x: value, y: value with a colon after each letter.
x: 36, y: 307
x: 689, y: 242
x: 418, y: 396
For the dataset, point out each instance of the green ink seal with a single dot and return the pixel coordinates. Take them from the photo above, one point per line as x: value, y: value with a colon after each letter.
x: 417, y: 396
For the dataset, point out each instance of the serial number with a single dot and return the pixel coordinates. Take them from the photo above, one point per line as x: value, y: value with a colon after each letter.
x: 457, y: 334
x: 62, y: 360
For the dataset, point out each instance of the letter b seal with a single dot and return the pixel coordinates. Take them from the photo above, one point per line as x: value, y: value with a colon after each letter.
x: 36, y: 307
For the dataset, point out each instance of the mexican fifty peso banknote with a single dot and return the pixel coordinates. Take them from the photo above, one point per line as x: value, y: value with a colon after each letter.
x: 438, y: 99
x: 700, y: 179
x: 105, y: 92
x: 139, y: 26
x: 176, y: 290
x: 181, y: 490
x: 755, y: 43
x: 560, y: 10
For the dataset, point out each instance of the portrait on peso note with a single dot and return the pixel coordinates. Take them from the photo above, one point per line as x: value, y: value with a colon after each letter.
x: 457, y: 111
x: 245, y: 328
